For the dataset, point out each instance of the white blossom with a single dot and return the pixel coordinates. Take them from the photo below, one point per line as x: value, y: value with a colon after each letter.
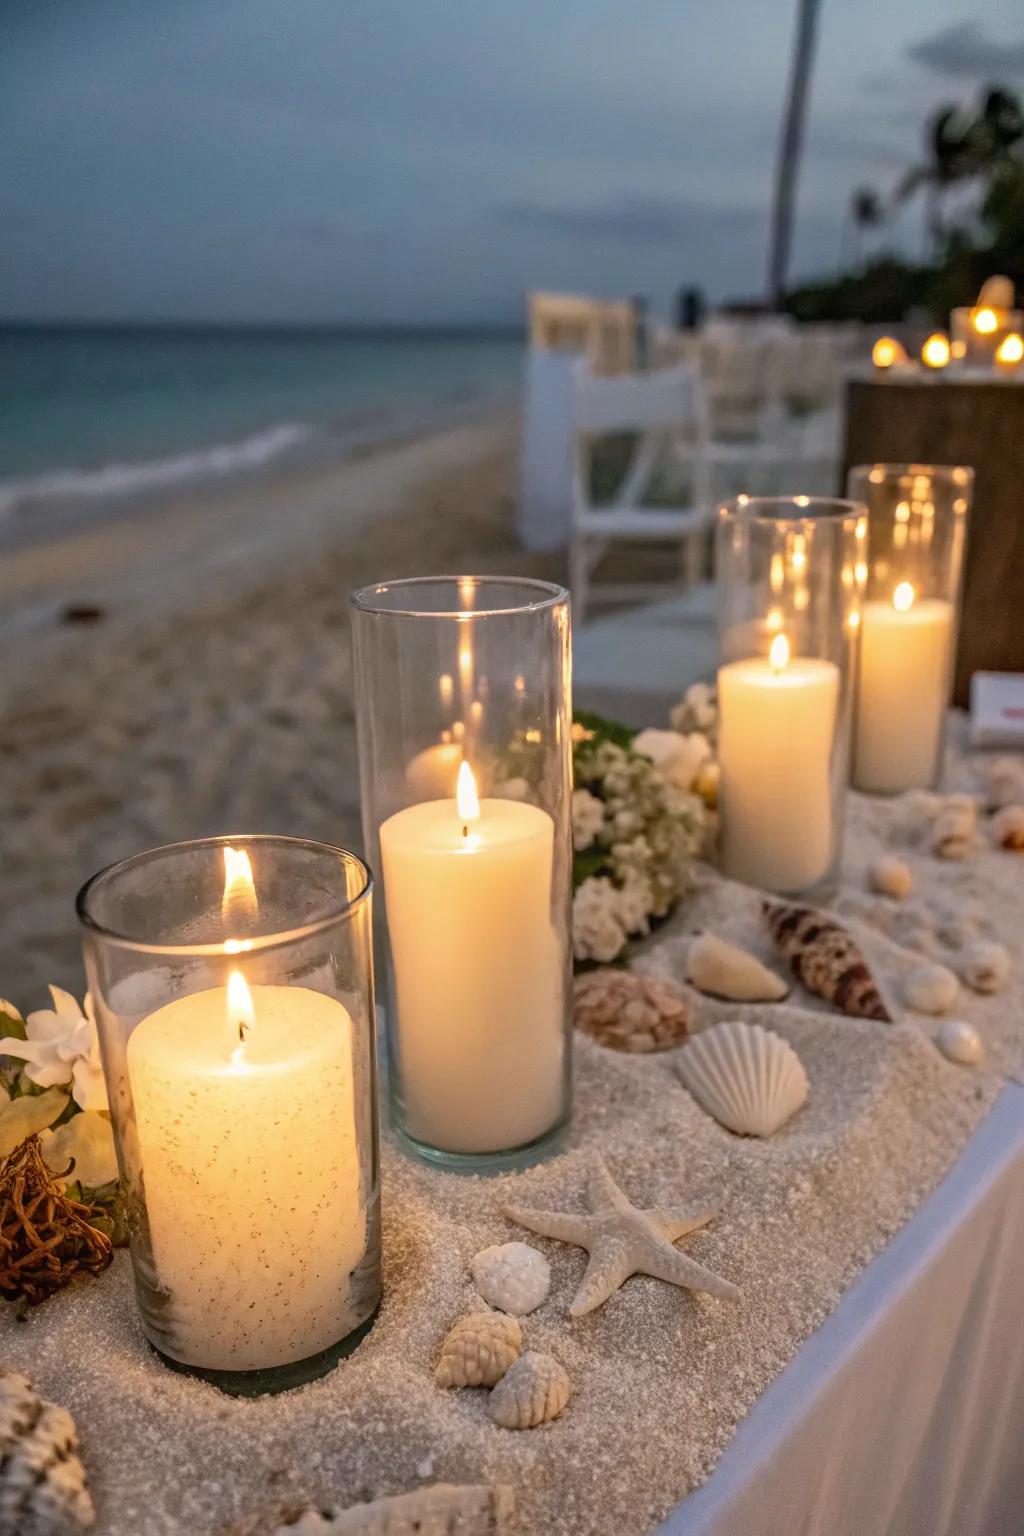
x: 587, y: 818
x: 635, y: 903
x: 597, y: 930
x: 677, y: 757
x: 62, y: 1048
x: 696, y: 711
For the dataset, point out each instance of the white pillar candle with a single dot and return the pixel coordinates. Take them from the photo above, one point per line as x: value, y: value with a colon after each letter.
x: 251, y: 1171
x: 477, y: 971
x: 902, y: 691
x: 776, y: 737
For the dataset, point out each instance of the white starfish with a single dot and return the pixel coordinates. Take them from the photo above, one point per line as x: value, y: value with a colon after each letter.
x: 622, y: 1241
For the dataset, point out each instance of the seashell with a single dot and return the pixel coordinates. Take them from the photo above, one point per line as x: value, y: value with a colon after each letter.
x: 959, y: 1041
x: 1005, y: 784
x: 826, y: 959
x: 512, y: 1276
x: 930, y: 989
x: 534, y: 1391
x: 627, y: 1012
x: 985, y: 966
x: 478, y: 1350
x: 43, y: 1491
x: 750, y: 1079
x: 1008, y: 828
x: 891, y: 877
x: 723, y: 970
x: 953, y: 831
x: 445, y: 1509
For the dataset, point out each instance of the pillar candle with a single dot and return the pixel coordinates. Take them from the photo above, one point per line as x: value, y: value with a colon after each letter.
x: 902, y: 691
x: 250, y: 1164
x: 477, y: 972
x: 776, y: 737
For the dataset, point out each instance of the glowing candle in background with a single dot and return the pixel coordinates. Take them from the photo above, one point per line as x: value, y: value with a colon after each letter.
x: 906, y: 650
x: 887, y: 352
x: 1010, y: 352
x: 935, y: 352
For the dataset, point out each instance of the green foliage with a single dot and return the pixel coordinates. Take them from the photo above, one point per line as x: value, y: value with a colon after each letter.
x: 602, y: 729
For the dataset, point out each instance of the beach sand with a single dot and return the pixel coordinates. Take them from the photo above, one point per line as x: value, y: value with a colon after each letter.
x: 215, y: 695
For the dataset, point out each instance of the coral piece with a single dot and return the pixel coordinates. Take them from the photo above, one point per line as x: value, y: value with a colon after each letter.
x: 724, y: 970
x: 535, y: 1390
x: 512, y: 1276
x: 985, y: 966
x: 750, y: 1079
x: 478, y: 1350
x: 43, y: 1491
x: 891, y: 877
x: 930, y: 989
x: 628, y: 1012
x: 45, y: 1238
x: 959, y: 1041
x: 1008, y: 828
x: 623, y: 1240
x: 445, y: 1509
x: 954, y: 827
x: 826, y: 959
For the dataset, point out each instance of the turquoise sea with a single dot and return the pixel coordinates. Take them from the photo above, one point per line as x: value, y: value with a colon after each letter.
x: 90, y: 411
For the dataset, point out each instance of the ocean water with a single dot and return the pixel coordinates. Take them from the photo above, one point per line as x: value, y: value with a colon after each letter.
x: 91, y: 412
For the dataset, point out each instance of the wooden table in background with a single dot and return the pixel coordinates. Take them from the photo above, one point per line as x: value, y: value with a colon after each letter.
x: 979, y: 422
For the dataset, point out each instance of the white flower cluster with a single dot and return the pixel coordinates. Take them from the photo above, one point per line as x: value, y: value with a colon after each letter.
x: 697, y: 710
x: 636, y: 829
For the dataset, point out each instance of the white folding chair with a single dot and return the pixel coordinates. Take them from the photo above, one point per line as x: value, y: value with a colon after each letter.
x: 668, y: 409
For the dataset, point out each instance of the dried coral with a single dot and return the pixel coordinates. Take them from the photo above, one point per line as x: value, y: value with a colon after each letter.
x: 628, y: 1012
x: 826, y: 959
x: 43, y: 1491
x: 533, y: 1392
x: 478, y: 1350
x: 45, y: 1238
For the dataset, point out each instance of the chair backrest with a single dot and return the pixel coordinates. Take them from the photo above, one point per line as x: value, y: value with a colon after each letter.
x: 667, y: 398
x: 604, y: 332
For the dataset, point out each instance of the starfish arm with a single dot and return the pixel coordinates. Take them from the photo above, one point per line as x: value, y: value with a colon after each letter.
x: 675, y: 1222
x: 609, y: 1266
x: 667, y: 1263
x: 566, y: 1226
x: 604, y: 1193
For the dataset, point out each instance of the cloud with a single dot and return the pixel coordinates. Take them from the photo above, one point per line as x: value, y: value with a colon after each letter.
x: 964, y: 50
x: 631, y: 217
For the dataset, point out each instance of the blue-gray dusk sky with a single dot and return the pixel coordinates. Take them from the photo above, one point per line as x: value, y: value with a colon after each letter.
x: 426, y: 160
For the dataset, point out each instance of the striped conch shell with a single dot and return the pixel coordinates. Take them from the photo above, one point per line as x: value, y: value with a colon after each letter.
x: 826, y: 959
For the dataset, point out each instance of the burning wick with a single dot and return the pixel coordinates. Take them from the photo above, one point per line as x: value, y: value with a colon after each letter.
x: 778, y: 653
x: 466, y: 799
x: 241, y: 1014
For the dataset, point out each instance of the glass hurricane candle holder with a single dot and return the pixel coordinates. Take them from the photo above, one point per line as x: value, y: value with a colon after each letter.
x: 789, y: 581
x: 233, y: 987
x: 464, y: 715
x: 979, y: 330
x: 917, y: 527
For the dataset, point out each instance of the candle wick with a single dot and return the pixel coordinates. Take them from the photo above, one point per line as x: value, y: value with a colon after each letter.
x: 242, y: 1031
x: 465, y: 830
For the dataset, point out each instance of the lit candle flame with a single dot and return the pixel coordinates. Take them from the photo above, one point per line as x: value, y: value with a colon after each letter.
x: 238, y: 903
x: 903, y: 597
x: 886, y: 352
x: 1011, y: 349
x: 985, y: 321
x: 778, y: 653
x: 466, y: 798
x: 935, y: 352
x: 241, y: 1015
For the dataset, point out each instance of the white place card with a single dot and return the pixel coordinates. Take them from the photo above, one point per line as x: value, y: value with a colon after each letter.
x: 997, y: 709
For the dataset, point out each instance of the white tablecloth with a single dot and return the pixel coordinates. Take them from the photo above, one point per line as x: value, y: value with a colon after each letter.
x: 904, y: 1414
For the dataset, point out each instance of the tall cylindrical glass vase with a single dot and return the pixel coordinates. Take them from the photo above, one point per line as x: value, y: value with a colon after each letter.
x: 789, y: 578
x: 464, y: 714
x: 233, y: 987
x: 917, y: 527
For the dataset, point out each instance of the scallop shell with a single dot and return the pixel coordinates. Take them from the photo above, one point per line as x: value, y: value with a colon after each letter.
x: 445, y: 1509
x: 724, y: 970
x: 1008, y: 828
x: 930, y: 989
x: 535, y: 1390
x: 748, y: 1078
x: 959, y: 1041
x: 512, y: 1276
x: 479, y: 1350
x: 985, y: 966
x: 826, y: 959
x: 891, y: 877
x: 43, y: 1491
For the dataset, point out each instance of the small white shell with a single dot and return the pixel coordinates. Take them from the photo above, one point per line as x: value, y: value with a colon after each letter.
x: 748, y: 1078
x: 1005, y: 784
x: 891, y: 877
x: 535, y: 1390
x: 1008, y: 828
x: 985, y: 966
x: 478, y: 1350
x: 512, y: 1276
x: 930, y: 989
x: 724, y: 970
x: 959, y: 1041
x: 953, y: 830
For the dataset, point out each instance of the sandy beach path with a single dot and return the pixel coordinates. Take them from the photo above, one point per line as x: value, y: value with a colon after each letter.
x: 216, y: 695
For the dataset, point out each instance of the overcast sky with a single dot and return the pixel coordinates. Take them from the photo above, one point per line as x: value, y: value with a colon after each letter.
x: 427, y: 160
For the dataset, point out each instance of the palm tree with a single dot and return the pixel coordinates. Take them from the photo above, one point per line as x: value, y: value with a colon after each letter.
x: 790, y: 146
x: 865, y: 212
